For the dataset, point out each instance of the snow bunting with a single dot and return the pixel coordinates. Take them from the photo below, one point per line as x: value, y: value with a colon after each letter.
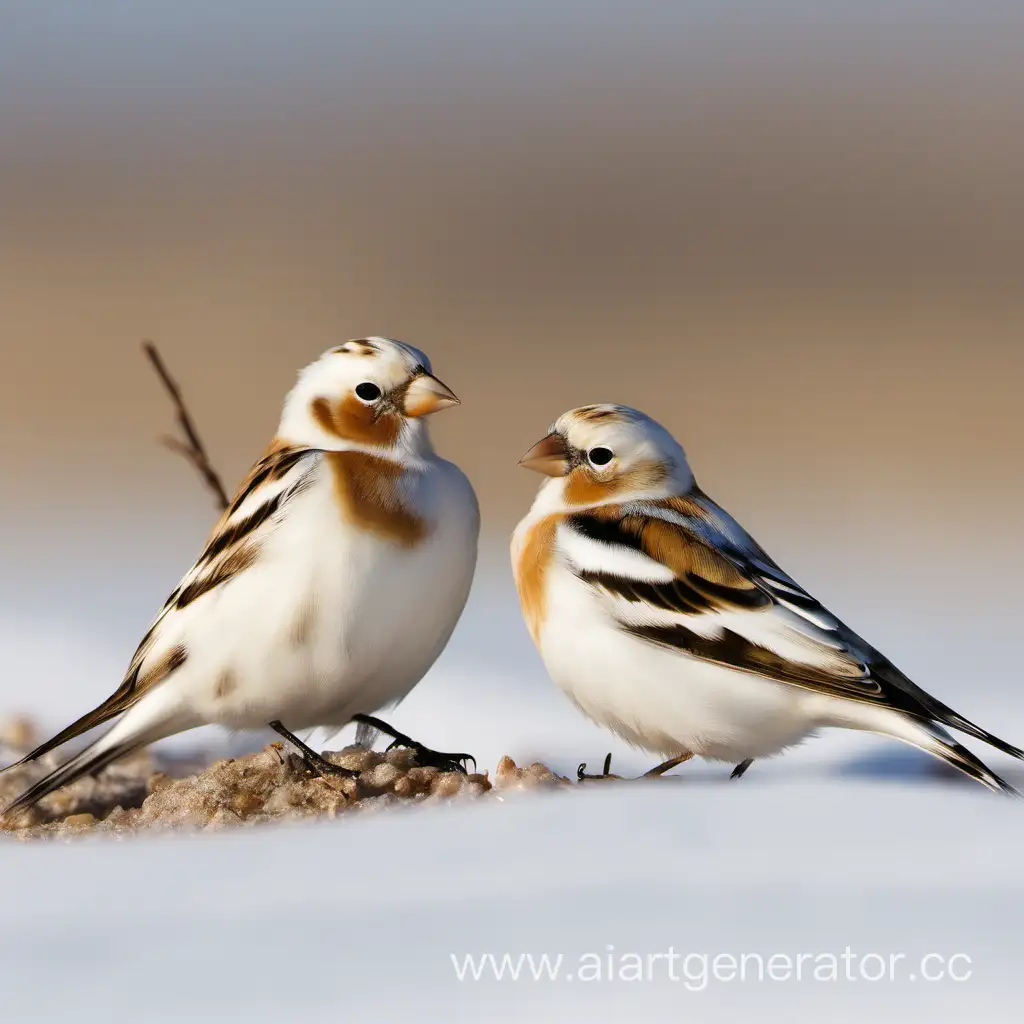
x: 329, y: 586
x: 663, y: 620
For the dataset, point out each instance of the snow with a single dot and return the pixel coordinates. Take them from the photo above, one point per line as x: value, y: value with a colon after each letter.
x: 848, y: 841
x: 360, y: 916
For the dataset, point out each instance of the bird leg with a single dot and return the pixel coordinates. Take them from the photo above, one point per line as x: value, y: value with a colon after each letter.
x: 425, y: 757
x: 656, y: 772
x: 315, y: 762
x: 737, y: 772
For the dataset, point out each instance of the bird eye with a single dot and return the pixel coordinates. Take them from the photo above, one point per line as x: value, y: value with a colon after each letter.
x: 367, y: 392
x: 600, y: 456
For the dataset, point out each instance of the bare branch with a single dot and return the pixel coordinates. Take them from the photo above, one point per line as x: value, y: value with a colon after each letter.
x: 192, y: 448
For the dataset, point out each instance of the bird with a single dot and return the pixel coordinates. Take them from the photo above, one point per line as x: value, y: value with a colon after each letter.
x: 329, y: 586
x: 664, y: 621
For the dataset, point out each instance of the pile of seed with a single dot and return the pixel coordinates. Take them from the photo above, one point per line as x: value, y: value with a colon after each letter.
x: 273, y: 784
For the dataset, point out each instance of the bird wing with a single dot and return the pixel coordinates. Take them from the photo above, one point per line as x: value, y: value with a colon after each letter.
x: 233, y: 547
x: 682, y: 574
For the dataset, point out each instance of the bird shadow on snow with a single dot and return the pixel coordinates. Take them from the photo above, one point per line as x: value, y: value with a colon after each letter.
x: 905, y: 764
x: 897, y: 764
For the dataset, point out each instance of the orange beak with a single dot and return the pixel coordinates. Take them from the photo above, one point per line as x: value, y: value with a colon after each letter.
x: 549, y: 456
x: 426, y: 394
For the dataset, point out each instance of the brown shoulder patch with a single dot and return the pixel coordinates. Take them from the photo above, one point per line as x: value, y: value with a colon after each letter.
x: 531, y: 570
x: 367, y: 490
x: 352, y: 420
x: 691, y: 560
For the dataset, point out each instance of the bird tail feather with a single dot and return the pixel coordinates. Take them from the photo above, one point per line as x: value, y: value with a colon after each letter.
x: 930, y: 737
x: 93, y: 759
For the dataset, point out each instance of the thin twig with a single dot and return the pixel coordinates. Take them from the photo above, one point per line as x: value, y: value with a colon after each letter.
x: 192, y: 448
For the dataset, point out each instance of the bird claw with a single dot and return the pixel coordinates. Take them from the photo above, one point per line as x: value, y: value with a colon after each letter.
x: 582, y: 776
x: 427, y: 758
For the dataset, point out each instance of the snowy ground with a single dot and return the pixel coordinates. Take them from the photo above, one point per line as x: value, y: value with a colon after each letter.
x: 360, y: 917
x: 847, y: 842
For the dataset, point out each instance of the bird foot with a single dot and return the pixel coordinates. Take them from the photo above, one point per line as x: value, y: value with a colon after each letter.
x: 737, y: 772
x: 582, y: 776
x: 655, y: 773
x: 425, y: 756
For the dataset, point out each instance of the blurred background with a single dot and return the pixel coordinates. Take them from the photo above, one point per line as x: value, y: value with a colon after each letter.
x: 793, y: 232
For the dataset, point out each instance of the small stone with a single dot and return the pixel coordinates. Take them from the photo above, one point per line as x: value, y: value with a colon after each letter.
x: 415, y: 781
x: 447, y: 784
x: 540, y: 775
x: 83, y: 820
x: 401, y: 757
x: 509, y: 776
x: 18, y: 732
x: 381, y: 777
x: 356, y: 759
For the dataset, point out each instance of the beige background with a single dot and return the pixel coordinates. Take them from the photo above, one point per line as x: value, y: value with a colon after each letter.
x: 796, y: 238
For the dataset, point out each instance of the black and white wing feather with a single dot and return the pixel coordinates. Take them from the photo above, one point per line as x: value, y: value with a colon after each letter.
x: 258, y: 507
x: 684, y: 575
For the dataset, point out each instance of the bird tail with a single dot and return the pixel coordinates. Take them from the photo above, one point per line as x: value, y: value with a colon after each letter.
x: 962, y: 759
x: 947, y: 716
x: 83, y: 724
x: 924, y: 706
x: 93, y: 759
x: 927, y: 736
x: 157, y: 715
x: 935, y: 740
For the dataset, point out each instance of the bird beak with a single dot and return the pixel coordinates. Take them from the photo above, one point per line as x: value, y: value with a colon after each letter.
x: 426, y: 394
x: 549, y: 456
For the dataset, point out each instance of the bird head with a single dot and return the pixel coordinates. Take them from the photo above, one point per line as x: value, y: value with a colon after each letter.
x: 609, y: 453
x: 368, y: 393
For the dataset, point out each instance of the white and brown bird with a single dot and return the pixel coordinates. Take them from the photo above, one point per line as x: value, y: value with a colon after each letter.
x: 329, y: 586
x: 664, y: 621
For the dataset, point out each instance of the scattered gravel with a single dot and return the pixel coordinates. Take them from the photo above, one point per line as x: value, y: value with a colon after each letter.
x: 138, y: 794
